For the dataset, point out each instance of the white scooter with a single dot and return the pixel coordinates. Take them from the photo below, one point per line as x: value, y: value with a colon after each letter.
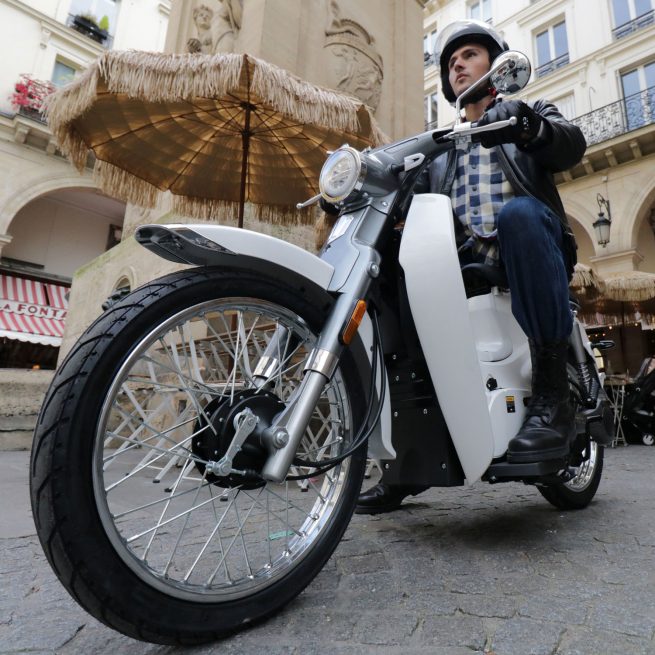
x: 250, y: 385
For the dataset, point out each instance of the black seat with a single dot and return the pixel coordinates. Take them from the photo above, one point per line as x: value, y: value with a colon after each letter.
x: 479, y: 279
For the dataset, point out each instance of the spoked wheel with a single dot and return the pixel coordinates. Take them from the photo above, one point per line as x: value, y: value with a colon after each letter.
x: 579, y: 491
x: 137, y: 525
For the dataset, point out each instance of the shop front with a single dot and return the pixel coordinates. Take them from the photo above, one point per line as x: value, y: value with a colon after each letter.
x: 32, y: 317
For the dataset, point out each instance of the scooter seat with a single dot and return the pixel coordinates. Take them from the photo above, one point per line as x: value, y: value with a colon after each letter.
x: 479, y: 279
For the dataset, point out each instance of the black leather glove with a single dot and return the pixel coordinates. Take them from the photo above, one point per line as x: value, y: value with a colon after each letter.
x: 526, y: 128
x: 328, y: 207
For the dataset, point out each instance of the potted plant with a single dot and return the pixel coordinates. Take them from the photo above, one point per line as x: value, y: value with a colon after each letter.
x: 87, y: 24
x: 29, y: 94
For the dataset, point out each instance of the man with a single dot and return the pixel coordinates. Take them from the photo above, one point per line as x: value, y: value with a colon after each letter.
x: 506, y: 205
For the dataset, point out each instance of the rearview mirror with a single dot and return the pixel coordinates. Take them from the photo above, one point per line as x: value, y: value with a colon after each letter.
x: 509, y: 73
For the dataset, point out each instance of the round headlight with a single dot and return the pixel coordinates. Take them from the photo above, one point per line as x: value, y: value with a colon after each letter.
x: 342, y: 173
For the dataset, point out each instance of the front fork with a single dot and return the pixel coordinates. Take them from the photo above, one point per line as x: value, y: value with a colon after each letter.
x: 284, y: 435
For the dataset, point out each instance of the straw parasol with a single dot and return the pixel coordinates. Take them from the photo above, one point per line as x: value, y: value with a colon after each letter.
x: 585, y: 281
x: 216, y: 131
x: 629, y: 286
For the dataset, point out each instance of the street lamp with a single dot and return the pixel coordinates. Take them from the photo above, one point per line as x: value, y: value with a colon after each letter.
x: 602, y: 223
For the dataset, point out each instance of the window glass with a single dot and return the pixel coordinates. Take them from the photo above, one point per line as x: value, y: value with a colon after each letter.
x: 474, y: 11
x: 486, y: 9
x: 630, y: 83
x: 649, y: 71
x: 566, y: 106
x: 62, y: 73
x: 621, y: 12
x: 543, y: 48
x: 559, y: 37
x: 642, y: 7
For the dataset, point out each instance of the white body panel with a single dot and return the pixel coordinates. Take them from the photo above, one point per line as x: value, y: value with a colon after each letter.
x: 287, y: 255
x: 504, y: 357
x: 435, y: 288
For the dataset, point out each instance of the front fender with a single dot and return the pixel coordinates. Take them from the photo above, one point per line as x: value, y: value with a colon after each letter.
x: 238, y: 249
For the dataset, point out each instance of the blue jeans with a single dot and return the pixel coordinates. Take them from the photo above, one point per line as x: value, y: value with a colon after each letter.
x: 530, y: 242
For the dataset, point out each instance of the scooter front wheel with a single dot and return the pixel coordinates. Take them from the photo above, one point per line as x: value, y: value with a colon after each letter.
x: 141, y: 531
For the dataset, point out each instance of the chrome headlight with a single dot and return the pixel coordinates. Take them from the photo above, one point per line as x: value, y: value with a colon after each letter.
x: 342, y: 173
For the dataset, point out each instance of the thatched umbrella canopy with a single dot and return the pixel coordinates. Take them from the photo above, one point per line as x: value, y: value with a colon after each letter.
x: 216, y: 131
x: 585, y: 281
x: 629, y: 286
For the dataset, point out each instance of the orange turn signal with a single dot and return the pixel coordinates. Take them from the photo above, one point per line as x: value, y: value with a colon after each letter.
x: 354, y: 322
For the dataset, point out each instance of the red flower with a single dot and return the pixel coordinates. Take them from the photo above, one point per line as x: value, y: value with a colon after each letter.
x: 30, y: 93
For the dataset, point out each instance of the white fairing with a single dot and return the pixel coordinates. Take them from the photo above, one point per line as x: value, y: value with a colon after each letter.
x: 428, y: 255
x: 287, y: 255
x: 477, y: 355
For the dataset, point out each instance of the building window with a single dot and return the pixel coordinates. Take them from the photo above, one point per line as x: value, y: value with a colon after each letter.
x: 62, y: 73
x: 566, y: 106
x: 480, y: 10
x: 631, y: 15
x: 431, y: 114
x: 552, y: 49
x: 428, y: 47
x: 639, y: 96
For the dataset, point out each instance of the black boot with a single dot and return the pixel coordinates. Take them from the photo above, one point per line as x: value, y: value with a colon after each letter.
x: 549, y: 425
x: 385, y: 497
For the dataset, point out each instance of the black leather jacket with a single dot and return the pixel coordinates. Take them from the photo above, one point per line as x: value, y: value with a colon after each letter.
x: 528, y: 169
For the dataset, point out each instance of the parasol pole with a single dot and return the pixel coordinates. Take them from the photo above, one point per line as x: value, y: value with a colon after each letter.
x: 245, y: 138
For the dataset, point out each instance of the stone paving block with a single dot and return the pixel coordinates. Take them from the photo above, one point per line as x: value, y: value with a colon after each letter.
x: 385, y: 628
x: 586, y: 641
x: 488, y: 606
x: 527, y: 637
x: 625, y: 614
x: 460, y: 631
x: 554, y: 608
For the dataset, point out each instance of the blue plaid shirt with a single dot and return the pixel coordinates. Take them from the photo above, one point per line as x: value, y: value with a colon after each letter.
x: 479, y: 192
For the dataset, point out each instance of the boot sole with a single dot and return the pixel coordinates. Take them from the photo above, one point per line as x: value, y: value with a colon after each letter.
x: 538, y: 455
x: 383, y: 509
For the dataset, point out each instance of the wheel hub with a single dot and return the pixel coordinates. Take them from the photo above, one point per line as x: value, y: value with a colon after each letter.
x: 212, y: 442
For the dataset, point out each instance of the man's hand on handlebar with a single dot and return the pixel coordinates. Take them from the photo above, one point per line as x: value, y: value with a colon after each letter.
x: 526, y: 129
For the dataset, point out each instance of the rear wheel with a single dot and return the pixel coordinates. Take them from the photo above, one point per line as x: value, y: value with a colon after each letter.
x: 578, y: 492
x: 136, y: 526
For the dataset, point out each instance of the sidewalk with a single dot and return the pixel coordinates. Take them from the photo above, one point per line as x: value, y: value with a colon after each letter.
x: 491, y: 569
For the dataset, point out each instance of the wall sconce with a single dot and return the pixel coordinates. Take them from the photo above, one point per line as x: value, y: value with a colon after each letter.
x: 602, y: 224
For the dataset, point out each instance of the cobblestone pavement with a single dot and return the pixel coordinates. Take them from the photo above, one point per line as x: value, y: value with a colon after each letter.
x: 458, y: 571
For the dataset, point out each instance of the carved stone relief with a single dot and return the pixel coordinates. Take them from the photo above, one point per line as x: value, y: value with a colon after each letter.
x: 217, y: 26
x: 357, y: 64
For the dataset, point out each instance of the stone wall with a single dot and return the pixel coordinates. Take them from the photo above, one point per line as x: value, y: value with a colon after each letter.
x: 21, y: 395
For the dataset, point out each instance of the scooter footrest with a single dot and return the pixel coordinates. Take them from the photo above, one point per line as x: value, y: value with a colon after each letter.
x: 504, y: 471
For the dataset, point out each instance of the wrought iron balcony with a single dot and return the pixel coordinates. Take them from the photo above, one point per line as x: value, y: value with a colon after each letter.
x: 632, y: 26
x: 630, y: 113
x: 428, y: 59
x: 552, y: 65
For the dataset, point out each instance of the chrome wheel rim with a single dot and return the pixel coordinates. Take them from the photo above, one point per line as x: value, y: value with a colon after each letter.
x: 172, y: 527
x: 586, y: 470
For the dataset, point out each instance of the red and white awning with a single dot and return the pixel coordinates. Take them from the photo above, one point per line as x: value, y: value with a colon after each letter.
x: 32, y: 311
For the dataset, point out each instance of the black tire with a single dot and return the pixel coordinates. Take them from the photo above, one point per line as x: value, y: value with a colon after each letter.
x: 80, y: 528
x: 578, y: 492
